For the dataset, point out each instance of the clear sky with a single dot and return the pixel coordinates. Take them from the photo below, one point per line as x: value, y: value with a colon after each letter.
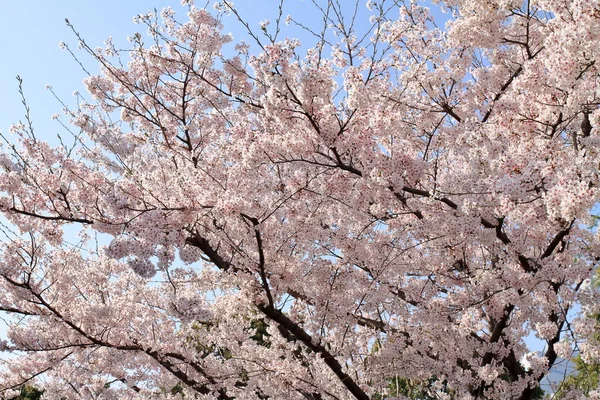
x: 31, y: 30
x: 30, y: 33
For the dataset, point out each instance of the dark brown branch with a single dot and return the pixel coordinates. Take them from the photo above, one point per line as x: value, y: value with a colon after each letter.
x: 586, y: 126
x: 292, y: 331
x: 94, y: 341
x: 261, y: 259
x: 402, y: 199
x: 451, y: 112
x: 289, y: 329
x: 498, y: 228
x: 16, y: 311
x: 498, y: 95
x: 557, y: 240
x: 203, y: 244
x: 425, y: 193
x: 51, y: 217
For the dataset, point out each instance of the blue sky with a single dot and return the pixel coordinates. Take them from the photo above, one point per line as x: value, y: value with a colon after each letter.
x: 31, y: 31
x: 30, y: 35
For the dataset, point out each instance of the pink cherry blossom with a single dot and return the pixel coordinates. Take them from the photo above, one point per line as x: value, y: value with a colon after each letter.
x: 313, y: 223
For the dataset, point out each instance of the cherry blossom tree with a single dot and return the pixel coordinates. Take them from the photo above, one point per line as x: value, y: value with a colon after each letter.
x: 402, y: 201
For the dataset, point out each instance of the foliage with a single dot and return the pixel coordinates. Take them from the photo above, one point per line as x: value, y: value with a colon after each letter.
x: 29, y: 393
x: 411, y: 389
x: 393, y: 210
x: 585, y: 378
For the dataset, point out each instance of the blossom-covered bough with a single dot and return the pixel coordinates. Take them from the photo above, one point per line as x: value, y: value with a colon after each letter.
x: 406, y: 204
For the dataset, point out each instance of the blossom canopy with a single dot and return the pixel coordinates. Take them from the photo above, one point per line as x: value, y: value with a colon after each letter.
x: 400, y: 202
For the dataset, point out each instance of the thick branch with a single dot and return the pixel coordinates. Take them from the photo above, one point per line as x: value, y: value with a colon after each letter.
x: 292, y: 330
x: 288, y: 328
